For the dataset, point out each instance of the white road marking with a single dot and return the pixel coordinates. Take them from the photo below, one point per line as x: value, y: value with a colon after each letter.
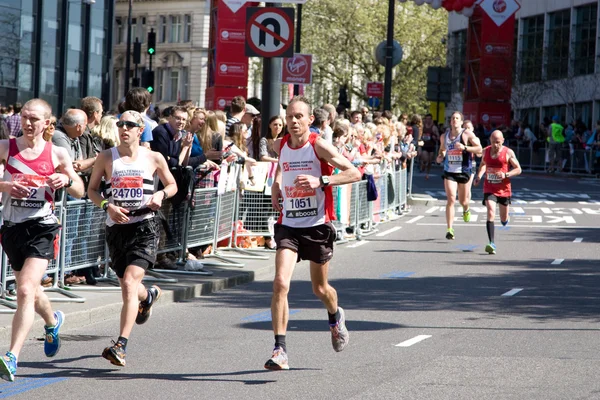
x: 357, y: 244
x: 557, y: 261
x: 394, y: 229
x: 512, y: 292
x: 410, y: 342
x: 513, y: 225
x: 415, y: 219
x: 578, y: 240
x: 432, y: 209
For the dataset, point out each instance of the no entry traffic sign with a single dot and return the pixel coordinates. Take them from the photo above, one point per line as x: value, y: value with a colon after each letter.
x: 269, y: 32
x: 297, y: 70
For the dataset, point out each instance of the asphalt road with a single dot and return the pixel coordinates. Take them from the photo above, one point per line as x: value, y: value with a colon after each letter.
x: 429, y: 318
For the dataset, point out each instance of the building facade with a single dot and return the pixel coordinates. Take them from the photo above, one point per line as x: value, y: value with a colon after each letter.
x: 556, y: 69
x: 180, y: 62
x: 35, y: 63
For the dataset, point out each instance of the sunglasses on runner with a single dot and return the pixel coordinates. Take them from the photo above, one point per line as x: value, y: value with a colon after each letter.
x: 128, y: 124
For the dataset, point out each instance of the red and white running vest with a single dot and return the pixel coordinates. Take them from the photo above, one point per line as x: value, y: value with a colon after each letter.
x: 303, y: 208
x: 494, y: 167
x: 131, y: 184
x: 33, y: 174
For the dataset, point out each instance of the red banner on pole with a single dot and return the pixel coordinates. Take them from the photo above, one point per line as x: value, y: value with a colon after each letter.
x: 375, y: 89
x: 297, y: 70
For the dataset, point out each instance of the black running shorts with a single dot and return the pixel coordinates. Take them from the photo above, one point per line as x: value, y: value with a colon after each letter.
x: 458, y: 177
x: 505, y: 201
x: 313, y: 244
x: 29, y: 239
x: 132, y: 244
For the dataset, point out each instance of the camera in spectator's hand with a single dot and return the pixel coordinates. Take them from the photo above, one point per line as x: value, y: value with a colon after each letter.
x: 227, y: 155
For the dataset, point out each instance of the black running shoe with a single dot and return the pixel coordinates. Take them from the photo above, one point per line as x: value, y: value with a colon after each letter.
x: 145, y: 309
x: 115, y: 354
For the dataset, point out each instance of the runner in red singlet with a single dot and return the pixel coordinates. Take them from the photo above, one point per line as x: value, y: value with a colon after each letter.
x: 496, y: 187
x: 34, y: 170
x: 304, y: 180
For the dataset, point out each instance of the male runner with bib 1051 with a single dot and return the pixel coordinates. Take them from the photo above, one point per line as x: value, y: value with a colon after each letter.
x: 34, y: 169
x: 497, y: 187
x: 456, y: 149
x: 303, y: 232
x: 131, y: 227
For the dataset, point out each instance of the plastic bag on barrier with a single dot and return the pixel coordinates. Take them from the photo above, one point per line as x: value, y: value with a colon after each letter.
x: 371, y: 188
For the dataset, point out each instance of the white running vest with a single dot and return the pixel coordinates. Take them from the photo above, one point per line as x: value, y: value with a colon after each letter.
x: 131, y: 185
x: 302, y: 208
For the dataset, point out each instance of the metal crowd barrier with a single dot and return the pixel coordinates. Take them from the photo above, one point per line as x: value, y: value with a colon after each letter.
x: 574, y: 161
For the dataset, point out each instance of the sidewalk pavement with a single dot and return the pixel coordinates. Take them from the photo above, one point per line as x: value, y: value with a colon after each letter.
x: 103, y: 305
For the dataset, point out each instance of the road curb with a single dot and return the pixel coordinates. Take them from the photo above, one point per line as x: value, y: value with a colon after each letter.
x: 171, y: 293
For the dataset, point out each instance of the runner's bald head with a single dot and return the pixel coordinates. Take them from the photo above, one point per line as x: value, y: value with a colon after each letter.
x: 497, y: 135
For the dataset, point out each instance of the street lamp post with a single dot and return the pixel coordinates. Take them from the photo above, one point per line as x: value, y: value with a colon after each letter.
x: 389, y: 54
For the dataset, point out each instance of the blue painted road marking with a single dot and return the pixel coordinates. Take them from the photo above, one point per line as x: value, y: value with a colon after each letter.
x: 264, y: 316
x: 397, y: 274
x: 467, y: 247
x: 22, y: 385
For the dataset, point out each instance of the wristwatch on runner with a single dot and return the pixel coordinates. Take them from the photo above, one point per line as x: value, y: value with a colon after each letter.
x: 324, y: 181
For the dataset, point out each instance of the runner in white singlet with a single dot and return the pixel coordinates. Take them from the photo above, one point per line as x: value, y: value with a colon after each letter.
x: 303, y: 181
x: 131, y: 227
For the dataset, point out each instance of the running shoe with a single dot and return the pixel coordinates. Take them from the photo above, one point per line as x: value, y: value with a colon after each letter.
x: 467, y: 215
x: 504, y: 223
x: 115, y: 354
x: 450, y: 234
x: 145, y: 309
x: 8, y: 367
x: 339, y: 334
x: 52, y: 339
x: 491, y: 248
x: 278, y: 361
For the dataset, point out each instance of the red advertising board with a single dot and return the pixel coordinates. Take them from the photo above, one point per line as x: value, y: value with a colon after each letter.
x: 487, y: 113
x: 297, y: 70
x: 490, y: 57
x: 217, y: 98
x: 375, y: 89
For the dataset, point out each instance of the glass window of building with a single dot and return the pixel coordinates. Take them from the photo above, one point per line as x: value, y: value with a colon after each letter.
x: 187, y: 32
x: 558, y: 44
x: 97, y: 49
x: 159, y: 84
x: 10, y: 30
x: 585, y: 39
x: 74, y: 73
x: 583, y: 113
x: 119, y: 28
x: 176, y: 27
x: 560, y: 110
x: 174, y: 85
x: 162, y: 29
x: 458, y: 55
x: 532, y: 45
x: 50, y: 53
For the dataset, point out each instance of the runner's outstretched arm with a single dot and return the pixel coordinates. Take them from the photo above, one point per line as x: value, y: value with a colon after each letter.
x: 516, y: 166
x: 480, y: 173
x: 65, y: 169
x: 329, y: 153
x: 442, y: 152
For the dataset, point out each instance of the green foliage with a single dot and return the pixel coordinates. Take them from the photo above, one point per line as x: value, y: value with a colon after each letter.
x: 342, y: 36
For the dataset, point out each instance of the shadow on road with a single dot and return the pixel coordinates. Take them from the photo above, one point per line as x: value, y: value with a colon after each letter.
x: 569, y: 291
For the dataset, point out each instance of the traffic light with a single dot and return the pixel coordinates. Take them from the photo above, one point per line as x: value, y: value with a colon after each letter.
x: 137, y: 52
x: 151, y: 42
x: 148, y: 80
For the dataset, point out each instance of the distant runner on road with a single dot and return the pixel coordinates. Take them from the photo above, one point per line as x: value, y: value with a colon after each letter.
x: 304, y: 180
x: 456, y: 149
x: 496, y: 187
